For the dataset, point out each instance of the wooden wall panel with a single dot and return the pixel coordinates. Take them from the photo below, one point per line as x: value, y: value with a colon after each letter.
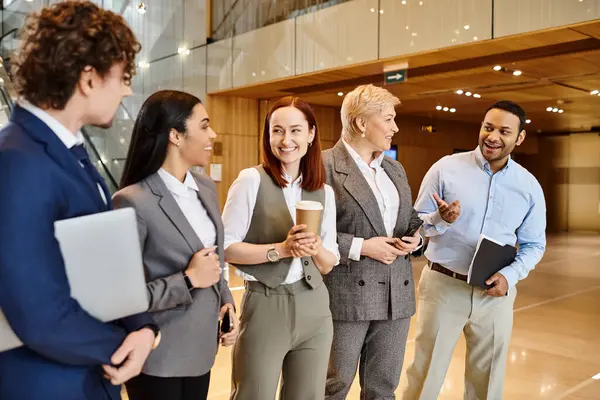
x: 235, y: 120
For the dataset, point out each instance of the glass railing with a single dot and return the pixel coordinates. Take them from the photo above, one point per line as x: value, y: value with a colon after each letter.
x: 234, y: 17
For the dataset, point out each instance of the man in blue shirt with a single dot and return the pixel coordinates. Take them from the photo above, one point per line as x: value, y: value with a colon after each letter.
x: 462, y: 197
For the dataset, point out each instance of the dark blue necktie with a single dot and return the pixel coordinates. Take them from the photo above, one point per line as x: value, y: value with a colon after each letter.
x: 84, y: 158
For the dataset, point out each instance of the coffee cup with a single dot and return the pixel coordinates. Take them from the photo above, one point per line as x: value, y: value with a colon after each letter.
x: 309, y: 213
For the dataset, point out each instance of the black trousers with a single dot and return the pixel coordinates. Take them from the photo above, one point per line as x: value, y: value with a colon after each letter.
x: 146, y: 387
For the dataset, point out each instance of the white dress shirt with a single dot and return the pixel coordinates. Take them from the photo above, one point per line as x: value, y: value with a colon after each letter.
x: 186, y: 196
x: 385, y: 193
x: 66, y: 136
x: 239, y: 209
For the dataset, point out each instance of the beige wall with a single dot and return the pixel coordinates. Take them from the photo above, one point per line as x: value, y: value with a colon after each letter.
x: 568, y: 168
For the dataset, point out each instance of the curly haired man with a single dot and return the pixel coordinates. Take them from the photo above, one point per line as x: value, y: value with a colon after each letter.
x: 73, y: 69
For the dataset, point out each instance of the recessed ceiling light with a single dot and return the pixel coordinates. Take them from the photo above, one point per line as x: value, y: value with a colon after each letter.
x: 143, y: 64
x: 403, y: 1
x: 467, y: 27
x: 561, y: 111
x: 445, y: 109
x: 372, y: 10
x: 459, y: 91
x: 183, y: 50
x: 340, y: 94
x: 438, y: 108
x: 141, y: 8
x: 594, y: 92
x: 453, y: 110
x: 528, y: 121
x: 498, y: 68
x: 477, y: 95
x: 380, y: 11
x: 420, y: 3
x: 549, y: 109
x: 468, y: 94
x: 517, y: 73
x: 555, y: 110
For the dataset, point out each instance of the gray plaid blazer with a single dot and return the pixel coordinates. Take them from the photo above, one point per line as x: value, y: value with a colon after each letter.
x: 367, y: 290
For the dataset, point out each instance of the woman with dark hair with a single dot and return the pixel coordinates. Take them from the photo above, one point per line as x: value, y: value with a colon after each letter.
x: 286, y: 324
x: 181, y: 235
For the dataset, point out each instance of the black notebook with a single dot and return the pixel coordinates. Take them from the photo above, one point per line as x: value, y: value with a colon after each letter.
x: 490, y: 257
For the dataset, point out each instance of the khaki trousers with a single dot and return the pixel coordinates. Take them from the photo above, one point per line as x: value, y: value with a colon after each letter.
x: 286, y: 330
x: 447, y: 307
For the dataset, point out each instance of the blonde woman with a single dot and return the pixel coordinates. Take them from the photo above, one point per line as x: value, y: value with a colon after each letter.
x: 372, y: 291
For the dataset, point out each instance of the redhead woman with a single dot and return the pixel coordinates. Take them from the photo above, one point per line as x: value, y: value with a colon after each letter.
x: 286, y: 326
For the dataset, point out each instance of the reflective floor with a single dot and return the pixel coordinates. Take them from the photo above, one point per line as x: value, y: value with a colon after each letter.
x: 555, y: 348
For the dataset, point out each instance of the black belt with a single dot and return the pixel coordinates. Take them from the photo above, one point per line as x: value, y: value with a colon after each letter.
x: 438, y: 268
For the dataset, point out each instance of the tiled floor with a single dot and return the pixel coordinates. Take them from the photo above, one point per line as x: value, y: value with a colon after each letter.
x: 555, y: 348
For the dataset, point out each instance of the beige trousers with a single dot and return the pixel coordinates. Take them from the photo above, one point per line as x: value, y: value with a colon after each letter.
x: 286, y: 330
x: 447, y: 307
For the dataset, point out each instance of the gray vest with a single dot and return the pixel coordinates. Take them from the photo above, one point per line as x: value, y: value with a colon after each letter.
x: 270, y: 224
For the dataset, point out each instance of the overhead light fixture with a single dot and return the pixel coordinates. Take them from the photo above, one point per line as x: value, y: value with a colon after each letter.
x: 594, y: 92
x: 453, y: 110
x: 477, y: 95
x: 183, y: 50
x: 549, y: 109
x: 143, y: 64
x: 403, y: 2
x: 560, y: 111
x: 141, y: 8
x: 528, y: 121
x: 475, y: 38
x: 498, y: 68
x: 517, y: 73
x: 420, y: 3
x: 439, y: 108
x: 445, y: 108
x: 340, y: 94
x: 467, y: 27
x: 459, y: 91
x: 372, y: 10
x: 468, y: 94
x: 380, y: 11
x: 555, y: 110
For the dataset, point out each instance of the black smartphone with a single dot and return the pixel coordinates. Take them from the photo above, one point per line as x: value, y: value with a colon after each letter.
x: 226, y: 323
x: 413, y: 228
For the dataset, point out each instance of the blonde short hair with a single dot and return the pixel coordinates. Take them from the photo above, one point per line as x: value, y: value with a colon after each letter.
x: 363, y: 102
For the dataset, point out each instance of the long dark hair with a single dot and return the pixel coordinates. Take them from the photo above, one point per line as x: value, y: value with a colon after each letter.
x: 161, y: 112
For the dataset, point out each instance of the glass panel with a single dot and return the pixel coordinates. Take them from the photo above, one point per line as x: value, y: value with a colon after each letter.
x: 241, y: 16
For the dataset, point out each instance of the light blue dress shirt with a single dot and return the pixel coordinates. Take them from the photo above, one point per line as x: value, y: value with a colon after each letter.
x: 508, y: 206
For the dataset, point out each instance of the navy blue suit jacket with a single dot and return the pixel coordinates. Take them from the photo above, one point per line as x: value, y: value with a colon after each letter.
x: 42, y: 182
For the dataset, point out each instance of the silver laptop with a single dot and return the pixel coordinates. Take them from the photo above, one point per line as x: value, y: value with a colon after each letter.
x: 104, y: 266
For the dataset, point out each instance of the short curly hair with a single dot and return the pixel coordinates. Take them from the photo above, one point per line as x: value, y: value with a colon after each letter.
x: 60, y: 41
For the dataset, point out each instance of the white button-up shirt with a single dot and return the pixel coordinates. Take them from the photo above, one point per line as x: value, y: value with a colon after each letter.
x: 239, y: 210
x: 186, y: 196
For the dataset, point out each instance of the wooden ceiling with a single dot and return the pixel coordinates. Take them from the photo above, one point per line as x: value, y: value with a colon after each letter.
x: 559, y: 69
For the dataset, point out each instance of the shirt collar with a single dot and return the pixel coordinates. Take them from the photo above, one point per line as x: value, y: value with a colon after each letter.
x: 65, y: 135
x: 175, y: 186
x: 288, y: 178
x: 485, y: 165
x: 359, y: 161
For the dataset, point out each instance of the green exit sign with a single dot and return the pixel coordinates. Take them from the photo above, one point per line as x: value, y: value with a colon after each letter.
x: 396, y: 76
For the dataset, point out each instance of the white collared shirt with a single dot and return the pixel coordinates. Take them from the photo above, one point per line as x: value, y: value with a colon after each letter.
x: 186, y: 196
x: 385, y: 193
x: 66, y: 136
x: 239, y: 210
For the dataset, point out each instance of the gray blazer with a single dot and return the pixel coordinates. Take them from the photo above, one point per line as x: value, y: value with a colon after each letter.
x: 188, y: 320
x: 367, y: 290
